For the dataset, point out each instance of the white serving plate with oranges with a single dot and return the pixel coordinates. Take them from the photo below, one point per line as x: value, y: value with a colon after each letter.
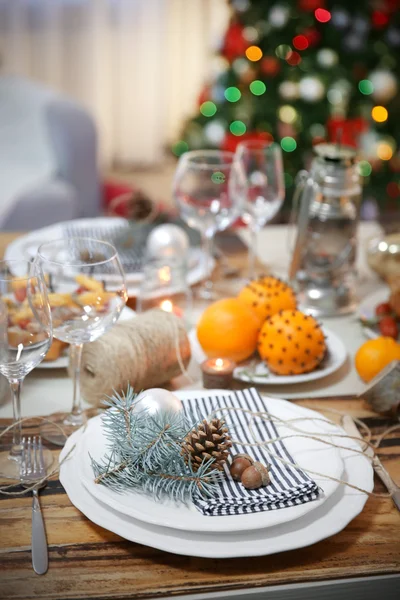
x: 254, y: 370
x: 271, y: 341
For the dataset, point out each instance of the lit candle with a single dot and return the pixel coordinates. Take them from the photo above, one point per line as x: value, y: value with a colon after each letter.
x: 169, y: 307
x: 217, y: 373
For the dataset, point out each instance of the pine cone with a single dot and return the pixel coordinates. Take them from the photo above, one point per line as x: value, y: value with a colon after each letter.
x: 210, y: 439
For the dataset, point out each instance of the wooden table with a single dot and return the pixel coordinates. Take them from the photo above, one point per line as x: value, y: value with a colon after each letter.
x: 86, y: 561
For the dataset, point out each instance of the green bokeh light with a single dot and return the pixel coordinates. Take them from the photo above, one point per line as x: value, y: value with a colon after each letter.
x: 288, y: 180
x: 218, y: 177
x: 232, y: 94
x: 208, y: 109
x: 258, y: 87
x: 180, y: 148
x: 237, y: 127
x: 288, y: 144
x: 365, y: 86
x: 282, y: 50
x: 365, y: 168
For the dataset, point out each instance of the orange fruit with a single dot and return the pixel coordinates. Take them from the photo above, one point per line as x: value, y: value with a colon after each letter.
x: 291, y: 343
x: 228, y: 328
x: 267, y: 296
x: 374, y: 355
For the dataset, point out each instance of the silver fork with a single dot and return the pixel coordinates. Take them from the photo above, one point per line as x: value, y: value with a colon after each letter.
x: 33, y: 470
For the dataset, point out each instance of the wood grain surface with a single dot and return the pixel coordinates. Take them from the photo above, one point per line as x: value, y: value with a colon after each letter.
x: 86, y: 561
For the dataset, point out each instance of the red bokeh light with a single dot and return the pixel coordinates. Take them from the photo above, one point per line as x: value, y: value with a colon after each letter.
x: 379, y: 19
x: 393, y: 189
x: 293, y: 58
x: 270, y: 66
x: 300, y: 42
x: 322, y: 15
x: 313, y: 36
x: 309, y: 5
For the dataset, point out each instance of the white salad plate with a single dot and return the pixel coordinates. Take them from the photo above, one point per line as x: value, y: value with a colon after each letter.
x: 25, y: 248
x: 256, y: 371
x: 366, y: 309
x: 62, y: 362
x: 326, y: 520
x: 308, y: 453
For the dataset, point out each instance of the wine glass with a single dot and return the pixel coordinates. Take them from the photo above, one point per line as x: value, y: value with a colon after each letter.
x: 87, y: 293
x: 260, y: 163
x: 25, y: 338
x: 207, y: 198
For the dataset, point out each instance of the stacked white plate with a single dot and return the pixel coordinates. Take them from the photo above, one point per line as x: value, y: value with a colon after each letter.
x: 25, y: 247
x: 181, y: 529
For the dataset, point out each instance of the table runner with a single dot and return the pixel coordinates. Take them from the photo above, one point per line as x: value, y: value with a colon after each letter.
x: 289, y: 486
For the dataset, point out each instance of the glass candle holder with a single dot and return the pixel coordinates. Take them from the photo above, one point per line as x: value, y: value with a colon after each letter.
x: 164, y: 285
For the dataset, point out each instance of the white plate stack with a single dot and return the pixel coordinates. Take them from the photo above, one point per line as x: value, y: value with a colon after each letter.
x: 182, y: 529
x: 25, y: 247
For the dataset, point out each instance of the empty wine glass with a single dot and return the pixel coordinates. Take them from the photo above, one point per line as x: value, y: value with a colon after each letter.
x: 87, y: 293
x: 207, y: 198
x: 25, y: 337
x: 260, y: 163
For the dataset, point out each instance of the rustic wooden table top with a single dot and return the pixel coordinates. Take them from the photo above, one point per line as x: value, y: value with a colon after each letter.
x: 86, y: 561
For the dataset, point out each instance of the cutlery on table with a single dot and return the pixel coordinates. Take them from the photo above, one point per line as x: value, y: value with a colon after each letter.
x: 33, y: 470
x: 351, y: 429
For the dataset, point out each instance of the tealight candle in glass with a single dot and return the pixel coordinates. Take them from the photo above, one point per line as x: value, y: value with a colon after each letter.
x: 164, y: 285
x: 217, y: 373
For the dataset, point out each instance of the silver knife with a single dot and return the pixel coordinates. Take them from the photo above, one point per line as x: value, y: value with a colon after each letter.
x: 350, y: 427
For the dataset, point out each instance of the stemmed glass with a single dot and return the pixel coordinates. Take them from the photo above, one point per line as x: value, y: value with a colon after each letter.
x: 260, y: 163
x: 25, y: 337
x: 87, y: 293
x: 207, y: 198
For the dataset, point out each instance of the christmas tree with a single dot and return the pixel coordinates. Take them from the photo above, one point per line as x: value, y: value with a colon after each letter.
x: 302, y: 72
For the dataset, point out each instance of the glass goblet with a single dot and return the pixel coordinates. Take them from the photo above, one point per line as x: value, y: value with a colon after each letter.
x: 25, y: 338
x: 260, y: 164
x: 164, y: 285
x: 87, y: 292
x: 207, y: 199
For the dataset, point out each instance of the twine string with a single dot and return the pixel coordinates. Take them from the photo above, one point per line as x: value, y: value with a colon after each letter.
x: 39, y: 482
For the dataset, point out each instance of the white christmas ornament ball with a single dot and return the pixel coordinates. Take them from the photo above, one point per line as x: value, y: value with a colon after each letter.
x: 384, y: 84
x: 157, y: 399
x: 311, y: 89
x: 289, y: 90
x: 214, y: 132
x: 166, y: 241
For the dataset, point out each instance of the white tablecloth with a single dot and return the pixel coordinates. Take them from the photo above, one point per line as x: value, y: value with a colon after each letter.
x: 48, y: 391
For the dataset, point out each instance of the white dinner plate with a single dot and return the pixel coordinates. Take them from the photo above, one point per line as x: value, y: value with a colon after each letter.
x: 366, y: 309
x: 25, y: 248
x: 308, y: 453
x: 256, y: 371
x: 62, y: 362
x: 326, y: 520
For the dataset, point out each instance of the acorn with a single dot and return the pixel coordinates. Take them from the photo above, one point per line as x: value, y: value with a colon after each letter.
x: 255, y: 476
x: 239, y: 464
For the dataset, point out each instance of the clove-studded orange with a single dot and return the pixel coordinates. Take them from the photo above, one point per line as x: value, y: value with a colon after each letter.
x: 291, y: 343
x: 267, y: 296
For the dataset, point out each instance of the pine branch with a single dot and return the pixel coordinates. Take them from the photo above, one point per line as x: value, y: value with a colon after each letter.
x: 145, y: 453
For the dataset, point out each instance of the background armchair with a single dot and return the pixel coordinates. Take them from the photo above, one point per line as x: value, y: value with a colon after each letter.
x: 48, y: 157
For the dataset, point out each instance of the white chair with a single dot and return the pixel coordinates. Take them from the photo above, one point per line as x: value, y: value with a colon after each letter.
x: 48, y: 162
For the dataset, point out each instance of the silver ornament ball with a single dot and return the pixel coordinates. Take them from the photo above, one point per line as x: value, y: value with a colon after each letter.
x: 157, y: 399
x: 167, y: 241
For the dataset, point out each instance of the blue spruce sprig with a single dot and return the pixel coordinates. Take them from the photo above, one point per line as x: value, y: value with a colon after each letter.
x: 145, y: 453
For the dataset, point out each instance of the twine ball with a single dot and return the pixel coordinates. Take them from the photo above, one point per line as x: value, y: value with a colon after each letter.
x: 146, y: 351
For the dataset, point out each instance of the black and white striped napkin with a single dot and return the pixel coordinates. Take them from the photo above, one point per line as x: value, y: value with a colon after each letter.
x: 289, y: 486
